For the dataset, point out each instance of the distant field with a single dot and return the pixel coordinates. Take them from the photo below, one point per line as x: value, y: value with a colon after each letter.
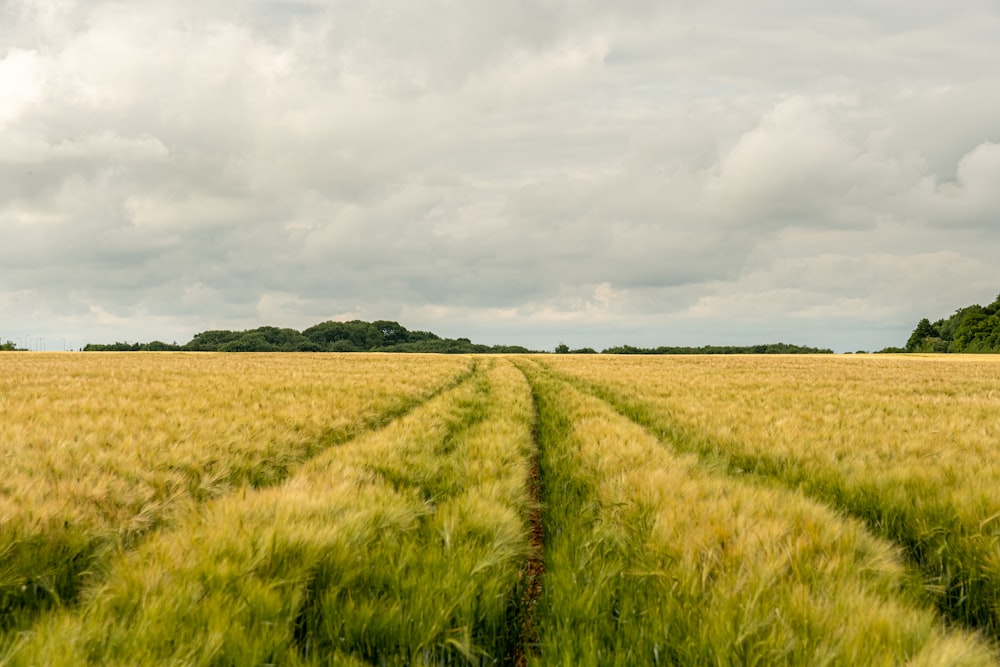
x: 309, y: 509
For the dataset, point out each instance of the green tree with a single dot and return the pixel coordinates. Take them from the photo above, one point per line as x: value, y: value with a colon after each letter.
x: 973, y: 325
x: 211, y: 341
x: 159, y: 346
x: 250, y: 341
x: 993, y: 308
x: 923, y: 330
x: 393, y: 333
x: 343, y: 345
x: 361, y: 335
x: 285, y: 340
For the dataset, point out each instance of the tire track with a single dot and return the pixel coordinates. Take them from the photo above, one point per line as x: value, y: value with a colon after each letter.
x: 965, y: 598
x: 533, y: 573
x: 436, y: 509
x: 82, y: 558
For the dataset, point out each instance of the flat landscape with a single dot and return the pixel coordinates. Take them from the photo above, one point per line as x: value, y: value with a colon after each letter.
x: 389, y: 509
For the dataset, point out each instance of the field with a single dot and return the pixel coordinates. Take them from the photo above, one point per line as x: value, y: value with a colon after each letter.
x: 364, y: 509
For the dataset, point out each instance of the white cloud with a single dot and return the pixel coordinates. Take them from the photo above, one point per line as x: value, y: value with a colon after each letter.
x: 19, y: 83
x: 556, y: 170
x: 972, y: 198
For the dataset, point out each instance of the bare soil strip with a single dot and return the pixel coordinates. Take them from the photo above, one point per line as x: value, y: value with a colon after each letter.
x: 534, y: 568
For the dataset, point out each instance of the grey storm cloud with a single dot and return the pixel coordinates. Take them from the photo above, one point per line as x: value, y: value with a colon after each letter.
x: 642, y: 172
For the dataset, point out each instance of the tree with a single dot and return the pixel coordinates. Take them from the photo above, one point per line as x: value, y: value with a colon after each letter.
x: 211, y: 341
x: 159, y: 346
x: 361, y: 335
x: 392, y: 332
x: 250, y: 341
x: 285, y: 340
x: 330, y: 336
x: 923, y: 330
x: 343, y: 345
x: 969, y: 329
x: 974, y: 325
x: 993, y: 308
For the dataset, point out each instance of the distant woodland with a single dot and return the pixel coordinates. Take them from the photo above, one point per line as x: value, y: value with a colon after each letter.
x: 770, y: 348
x: 386, y: 336
x: 354, y: 336
x: 972, y: 329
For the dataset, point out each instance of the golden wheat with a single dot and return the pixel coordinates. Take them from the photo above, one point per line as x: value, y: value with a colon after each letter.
x: 400, y: 546
x: 98, y: 449
x: 909, y: 444
x: 657, y: 560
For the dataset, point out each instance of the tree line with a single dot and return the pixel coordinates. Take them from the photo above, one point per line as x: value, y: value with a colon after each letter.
x: 388, y: 336
x: 972, y: 329
x: 770, y: 348
x: 353, y: 336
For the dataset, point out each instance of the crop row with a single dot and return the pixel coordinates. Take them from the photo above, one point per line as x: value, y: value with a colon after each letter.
x: 653, y: 559
x: 405, y: 545
x: 97, y: 451
x: 907, y: 445
x: 674, y: 533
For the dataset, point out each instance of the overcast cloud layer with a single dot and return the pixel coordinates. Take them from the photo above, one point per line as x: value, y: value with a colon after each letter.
x: 651, y: 173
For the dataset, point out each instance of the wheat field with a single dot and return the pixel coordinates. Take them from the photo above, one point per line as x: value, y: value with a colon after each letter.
x: 357, y: 509
x: 99, y: 450
x: 908, y: 444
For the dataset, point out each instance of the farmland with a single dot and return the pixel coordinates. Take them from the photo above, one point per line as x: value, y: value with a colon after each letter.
x: 99, y: 451
x: 212, y: 509
x: 907, y: 445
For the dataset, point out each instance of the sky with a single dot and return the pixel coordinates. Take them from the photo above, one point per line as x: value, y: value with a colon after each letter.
x: 644, y: 172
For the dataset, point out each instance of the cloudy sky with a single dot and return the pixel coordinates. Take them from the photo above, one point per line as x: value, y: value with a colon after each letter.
x: 646, y: 172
